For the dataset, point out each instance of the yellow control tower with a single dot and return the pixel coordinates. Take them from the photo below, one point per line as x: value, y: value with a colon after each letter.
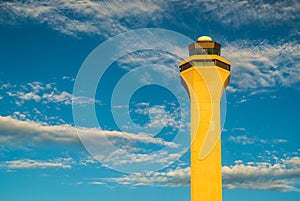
x: 206, y: 74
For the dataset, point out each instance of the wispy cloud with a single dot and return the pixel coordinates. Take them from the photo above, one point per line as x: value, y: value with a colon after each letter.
x: 14, y: 130
x: 254, y: 64
x: 245, y: 140
x: 160, y: 159
x: 263, y: 65
x: 161, y: 116
x: 72, y: 17
x: 64, y: 163
x: 237, y: 12
x: 281, y: 176
x: 44, y: 93
x: 108, y: 18
x: 177, y: 177
x: 168, y: 60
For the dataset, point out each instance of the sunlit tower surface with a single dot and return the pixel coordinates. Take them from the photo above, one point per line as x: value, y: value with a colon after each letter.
x: 206, y: 74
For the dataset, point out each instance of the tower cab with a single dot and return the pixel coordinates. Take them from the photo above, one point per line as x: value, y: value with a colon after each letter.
x: 205, y: 52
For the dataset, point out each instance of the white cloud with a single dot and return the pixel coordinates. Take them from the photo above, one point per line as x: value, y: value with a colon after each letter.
x: 238, y: 129
x: 96, y: 183
x: 263, y: 176
x: 236, y: 12
x: 18, y: 115
x: 147, y: 57
x: 111, y: 17
x: 13, y: 131
x: 72, y: 17
x: 277, y: 141
x: 45, y: 93
x: 5, y: 86
x: 245, y: 140
x: 177, y: 177
x: 281, y: 176
x: 159, y: 116
x: 36, y: 87
x: 255, y: 66
x: 66, y: 98
x: 121, y: 157
x: 36, y: 164
x: 29, y: 96
x: 71, y: 79
x: 58, y: 97
x: 293, y: 162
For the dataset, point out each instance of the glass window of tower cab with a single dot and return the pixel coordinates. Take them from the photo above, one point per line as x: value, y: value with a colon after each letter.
x: 204, y: 45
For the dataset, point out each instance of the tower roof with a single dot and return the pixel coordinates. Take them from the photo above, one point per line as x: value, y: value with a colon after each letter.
x: 204, y: 38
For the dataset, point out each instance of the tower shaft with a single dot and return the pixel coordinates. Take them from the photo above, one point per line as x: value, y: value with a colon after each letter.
x: 207, y: 86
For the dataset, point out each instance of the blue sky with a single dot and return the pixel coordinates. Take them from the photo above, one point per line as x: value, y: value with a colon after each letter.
x: 44, y: 44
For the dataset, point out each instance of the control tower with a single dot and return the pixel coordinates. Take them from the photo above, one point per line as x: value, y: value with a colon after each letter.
x: 205, y: 74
